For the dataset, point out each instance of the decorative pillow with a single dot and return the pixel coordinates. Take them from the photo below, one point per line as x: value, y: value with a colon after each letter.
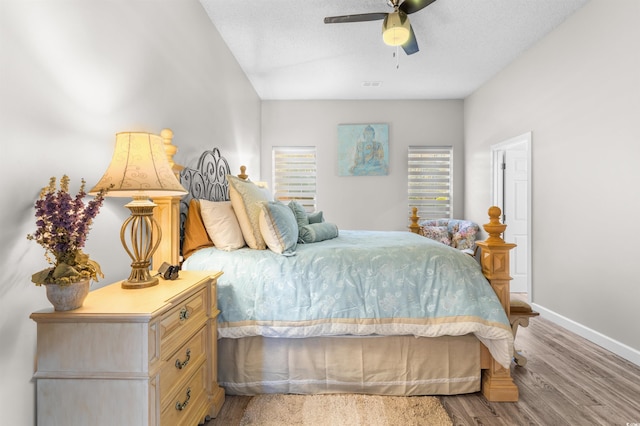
x: 316, y: 232
x: 279, y: 228
x: 195, y: 234
x: 300, y: 213
x: 438, y: 233
x: 221, y: 224
x: 265, y: 189
x: 315, y: 217
x: 246, y: 199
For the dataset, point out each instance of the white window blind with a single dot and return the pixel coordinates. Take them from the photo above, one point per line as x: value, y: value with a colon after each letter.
x: 430, y: 177
x: 294, y: 175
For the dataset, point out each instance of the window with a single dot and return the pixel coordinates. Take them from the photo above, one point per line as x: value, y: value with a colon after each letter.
x: 294, y: 175
x: 430, y: 181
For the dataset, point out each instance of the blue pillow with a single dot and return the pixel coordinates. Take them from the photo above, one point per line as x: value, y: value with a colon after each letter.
x: 315, y: 217
x: 278, y: 227
x: 316, y: 232
x: 299, y: 212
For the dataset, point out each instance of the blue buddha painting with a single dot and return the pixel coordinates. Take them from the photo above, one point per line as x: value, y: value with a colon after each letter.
x: 363, y: 150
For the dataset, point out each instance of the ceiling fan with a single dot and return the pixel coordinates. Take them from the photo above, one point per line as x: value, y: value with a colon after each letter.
x: 396, y: 28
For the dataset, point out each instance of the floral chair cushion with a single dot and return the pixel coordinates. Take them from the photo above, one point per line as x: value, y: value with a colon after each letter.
x: 461, y: 233
x: 437, y: 233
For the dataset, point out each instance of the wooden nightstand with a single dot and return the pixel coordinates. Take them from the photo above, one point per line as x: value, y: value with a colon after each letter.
x: 132, y: 357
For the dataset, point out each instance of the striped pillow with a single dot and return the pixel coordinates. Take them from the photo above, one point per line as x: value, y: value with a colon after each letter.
x: 246, y: 199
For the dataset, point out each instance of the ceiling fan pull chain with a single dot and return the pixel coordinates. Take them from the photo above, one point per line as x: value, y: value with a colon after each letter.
x: 397, y: 55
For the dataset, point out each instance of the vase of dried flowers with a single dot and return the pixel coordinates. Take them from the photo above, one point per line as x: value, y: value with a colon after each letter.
x: 63, y: 223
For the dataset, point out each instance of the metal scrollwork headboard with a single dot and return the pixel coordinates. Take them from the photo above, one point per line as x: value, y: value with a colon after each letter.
x: 206, y: 182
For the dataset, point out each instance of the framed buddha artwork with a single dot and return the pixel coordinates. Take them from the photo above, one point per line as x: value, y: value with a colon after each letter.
x: 363, y: 149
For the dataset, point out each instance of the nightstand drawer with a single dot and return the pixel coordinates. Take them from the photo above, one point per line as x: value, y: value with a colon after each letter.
x: 181, y: 322
x: 176, y: 369
x: 189, y: 406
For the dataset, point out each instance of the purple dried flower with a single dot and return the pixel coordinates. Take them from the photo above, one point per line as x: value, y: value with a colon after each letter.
x: 63, y: 223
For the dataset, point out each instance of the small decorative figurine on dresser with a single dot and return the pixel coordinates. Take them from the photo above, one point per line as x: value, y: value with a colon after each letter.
x: 63, y: 223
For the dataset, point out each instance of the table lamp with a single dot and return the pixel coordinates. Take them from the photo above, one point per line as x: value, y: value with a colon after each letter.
x: 139, y: 169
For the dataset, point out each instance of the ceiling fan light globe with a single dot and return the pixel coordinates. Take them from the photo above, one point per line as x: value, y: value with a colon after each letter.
x: 395, y: 36
x: 396, y: 28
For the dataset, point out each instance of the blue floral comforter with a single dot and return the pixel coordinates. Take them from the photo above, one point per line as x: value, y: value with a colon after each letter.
x: 361, y: 283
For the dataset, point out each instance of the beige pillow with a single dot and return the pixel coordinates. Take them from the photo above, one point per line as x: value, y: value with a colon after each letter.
x: 246, y: 199
x: 221, y: 224
x: 264, y: 188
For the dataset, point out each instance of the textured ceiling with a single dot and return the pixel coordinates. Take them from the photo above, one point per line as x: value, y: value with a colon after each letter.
x: 288, y: 52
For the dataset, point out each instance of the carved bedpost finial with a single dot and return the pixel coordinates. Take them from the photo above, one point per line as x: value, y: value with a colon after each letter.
x: 242, y: 174
x: 494, y: 228
x: 170, y: 149
x: 414, y: 226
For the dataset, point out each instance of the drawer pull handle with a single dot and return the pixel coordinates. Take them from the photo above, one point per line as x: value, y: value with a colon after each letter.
x: 184, y: 314
x: 181, y: 406
x: 180, y: 365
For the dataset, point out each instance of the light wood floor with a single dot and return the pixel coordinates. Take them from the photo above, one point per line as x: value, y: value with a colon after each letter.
x: 567, y: 381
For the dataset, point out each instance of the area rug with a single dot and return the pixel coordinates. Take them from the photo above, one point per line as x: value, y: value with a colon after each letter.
x: 344, y: 410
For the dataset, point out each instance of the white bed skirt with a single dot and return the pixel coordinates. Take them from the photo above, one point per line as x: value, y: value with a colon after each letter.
x: 380, y: 365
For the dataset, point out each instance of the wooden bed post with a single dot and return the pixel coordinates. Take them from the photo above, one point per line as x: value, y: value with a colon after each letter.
x: 414, y: 226
x: 167, y: 213
x: 497, y: 384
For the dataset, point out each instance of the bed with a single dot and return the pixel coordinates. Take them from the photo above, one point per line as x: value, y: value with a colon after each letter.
x: 390, y: 313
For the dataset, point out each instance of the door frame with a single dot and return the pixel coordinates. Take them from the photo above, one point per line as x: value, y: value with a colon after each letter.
x: 497, y: 179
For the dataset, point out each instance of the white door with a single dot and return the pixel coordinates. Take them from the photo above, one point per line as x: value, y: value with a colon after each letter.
x: 511, y: 192
x: 516, y: 216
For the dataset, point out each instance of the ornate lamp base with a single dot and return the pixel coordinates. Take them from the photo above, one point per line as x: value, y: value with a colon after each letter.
x: 132, y: 284
x: 140, y: 227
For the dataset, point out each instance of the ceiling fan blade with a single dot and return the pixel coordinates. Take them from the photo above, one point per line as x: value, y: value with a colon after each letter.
x: 412, y: 6
x: 411, y: 46
x: 354, y: 18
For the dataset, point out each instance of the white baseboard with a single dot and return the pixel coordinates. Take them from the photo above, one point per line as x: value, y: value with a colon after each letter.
x: 618, y: 348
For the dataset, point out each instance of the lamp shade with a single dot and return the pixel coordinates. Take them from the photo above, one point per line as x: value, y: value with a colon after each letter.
x: 139, y: 167
x: 396, y: 28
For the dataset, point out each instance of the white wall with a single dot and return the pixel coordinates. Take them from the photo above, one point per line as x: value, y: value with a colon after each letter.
x: 72, y: 74
x: 578, y: 91
x: 364, y: 202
